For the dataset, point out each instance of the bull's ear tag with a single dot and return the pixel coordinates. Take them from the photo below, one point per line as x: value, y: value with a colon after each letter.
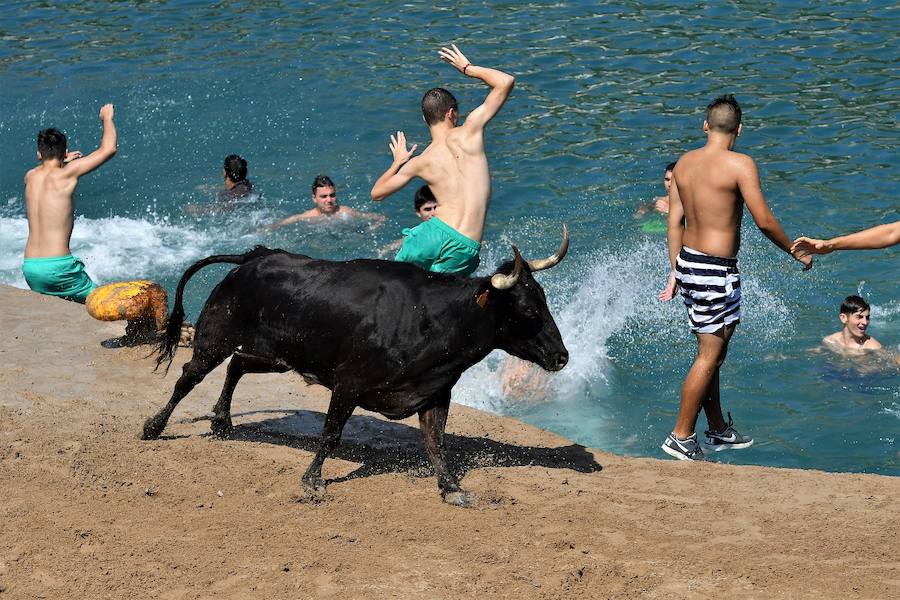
x: 482, y: 298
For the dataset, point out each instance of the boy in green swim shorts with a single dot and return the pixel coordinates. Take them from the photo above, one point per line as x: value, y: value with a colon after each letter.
x: 49, y: 266
x: 435, y: 246
x: 455, y: 167
x: 62, y: 276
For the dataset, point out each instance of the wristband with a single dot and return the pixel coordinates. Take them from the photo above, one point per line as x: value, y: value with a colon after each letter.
x: 466, y: 67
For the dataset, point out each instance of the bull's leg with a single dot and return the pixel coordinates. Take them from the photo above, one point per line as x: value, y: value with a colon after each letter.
x: 240, y: 365
x: 194, y: 372
x: 432, y: 422
x: 339, y: 411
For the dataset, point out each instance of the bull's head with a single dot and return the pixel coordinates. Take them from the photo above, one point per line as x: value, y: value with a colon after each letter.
x: 526, y: 327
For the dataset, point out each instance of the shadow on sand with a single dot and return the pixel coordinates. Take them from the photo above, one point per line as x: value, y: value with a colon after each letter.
x: 392, y: 447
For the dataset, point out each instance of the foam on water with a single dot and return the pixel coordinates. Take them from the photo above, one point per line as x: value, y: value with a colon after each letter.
x: 113, y: 248
x: 589, y: 309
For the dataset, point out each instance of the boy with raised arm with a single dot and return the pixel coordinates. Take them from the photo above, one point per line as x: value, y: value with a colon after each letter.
x: 455, y: 168
x: 49, y: 266
x: 706, y: 203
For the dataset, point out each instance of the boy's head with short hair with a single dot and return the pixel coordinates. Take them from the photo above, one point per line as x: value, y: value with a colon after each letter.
x: 855, y: 312
x: 436, y: 103
x: 724, y: 114
x: 323, y: 181
x: 51, y: 144
x: 853, y: 304
x: 425, y: 203
x: 235, y: 168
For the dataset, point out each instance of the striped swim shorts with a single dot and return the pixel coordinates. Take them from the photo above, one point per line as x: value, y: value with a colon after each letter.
x: 711, y: 288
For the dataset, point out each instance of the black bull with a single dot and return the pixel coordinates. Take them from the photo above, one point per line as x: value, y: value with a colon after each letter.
x: 386, y: 336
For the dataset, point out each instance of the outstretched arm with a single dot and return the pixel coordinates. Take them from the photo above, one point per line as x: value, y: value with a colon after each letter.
x: 304, y: 216
x: 403, y: 168
x: 501, y: 85
x: 873, y: 238
x: 751, y: 190
x: 107, y: 148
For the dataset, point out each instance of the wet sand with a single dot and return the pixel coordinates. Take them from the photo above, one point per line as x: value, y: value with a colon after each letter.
x: 90, y: 511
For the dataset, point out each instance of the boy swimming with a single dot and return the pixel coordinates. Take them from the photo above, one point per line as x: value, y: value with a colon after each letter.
x: 854, y: 315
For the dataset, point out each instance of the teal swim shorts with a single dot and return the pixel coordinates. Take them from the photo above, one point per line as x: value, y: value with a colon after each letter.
x: 435, y: 246
x: 61, y: 276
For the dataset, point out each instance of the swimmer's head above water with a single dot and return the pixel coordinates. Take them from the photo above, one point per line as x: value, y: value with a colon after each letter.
x: 424, y: 203
x: 235, y: 169
x: 324, y: 195
x: 855, y: 315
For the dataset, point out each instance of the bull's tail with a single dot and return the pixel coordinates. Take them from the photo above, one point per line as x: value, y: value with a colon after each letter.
x: 169, y: 341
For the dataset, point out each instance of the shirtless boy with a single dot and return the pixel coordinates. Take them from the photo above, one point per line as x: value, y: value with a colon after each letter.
x: 660, y: 203
x: 455, y: 167
x: 324, y: 197
x: 855, y: 317
x: 709, y: 188
x: 49, y: 266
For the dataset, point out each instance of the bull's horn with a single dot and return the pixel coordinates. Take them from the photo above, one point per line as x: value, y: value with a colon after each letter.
x: 504, y: 282
x: 545, y: 263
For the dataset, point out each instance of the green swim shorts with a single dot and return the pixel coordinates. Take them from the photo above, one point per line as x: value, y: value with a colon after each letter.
x: 61, y: 276
x: 435, y: 246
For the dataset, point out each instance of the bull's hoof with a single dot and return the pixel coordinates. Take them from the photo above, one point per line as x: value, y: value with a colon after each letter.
x: 221, y: 428
x: 153, y: 428
x: 458, y: 498
x: 314, y: 491
x: 314, y: 485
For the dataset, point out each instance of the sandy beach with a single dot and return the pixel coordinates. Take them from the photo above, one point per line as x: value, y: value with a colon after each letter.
x: 90, y: 511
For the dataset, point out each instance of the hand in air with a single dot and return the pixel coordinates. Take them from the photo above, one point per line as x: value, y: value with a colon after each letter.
x: 106, y: 112
x: 662, y: 205
x: 398, y: 148
x: 453, y: 56
x: 70, y: 156
x: 807, y: 245
x: 669, y: 291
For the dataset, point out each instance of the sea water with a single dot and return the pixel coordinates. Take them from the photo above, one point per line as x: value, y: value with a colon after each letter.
x: 606, y: 95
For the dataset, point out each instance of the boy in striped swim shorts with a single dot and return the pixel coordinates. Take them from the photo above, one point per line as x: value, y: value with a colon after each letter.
x: 710, y: 187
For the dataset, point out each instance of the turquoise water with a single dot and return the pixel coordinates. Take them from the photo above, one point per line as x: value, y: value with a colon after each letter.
x: 605, y: 97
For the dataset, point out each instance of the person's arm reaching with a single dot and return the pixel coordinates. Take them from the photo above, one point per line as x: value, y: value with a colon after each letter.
x: 401, y: 171
x: 501, y: 85
x: 751, y: 191
x: 873, y: 238
x: 107, y: 148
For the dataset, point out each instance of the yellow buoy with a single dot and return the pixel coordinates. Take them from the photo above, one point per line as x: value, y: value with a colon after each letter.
x: 129, y: 300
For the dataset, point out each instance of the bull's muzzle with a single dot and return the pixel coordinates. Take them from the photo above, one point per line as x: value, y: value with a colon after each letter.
x: 559, y: 361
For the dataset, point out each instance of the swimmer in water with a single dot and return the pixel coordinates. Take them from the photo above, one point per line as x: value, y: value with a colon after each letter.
x: 854, y: 315
x: 324, y: 197
x: 661, y: 203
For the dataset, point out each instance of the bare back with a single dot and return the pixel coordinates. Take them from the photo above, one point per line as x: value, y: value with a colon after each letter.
x: 456, y: 170
x: 707, y: 182
x: 49, y: 193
